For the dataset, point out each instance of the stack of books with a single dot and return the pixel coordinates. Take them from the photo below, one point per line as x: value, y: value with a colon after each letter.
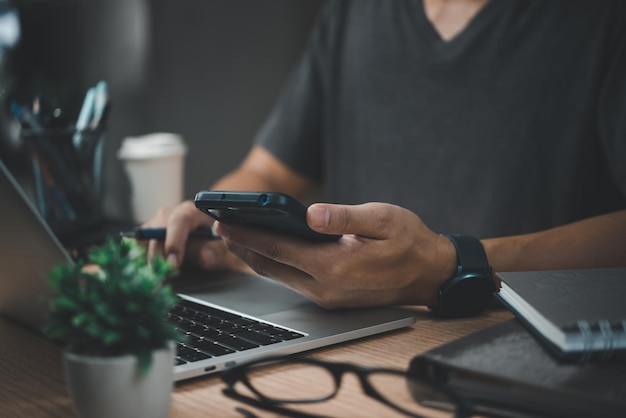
x: 563, y: 356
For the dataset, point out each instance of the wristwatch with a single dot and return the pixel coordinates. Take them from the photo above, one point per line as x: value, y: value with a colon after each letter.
x: 471, y: 289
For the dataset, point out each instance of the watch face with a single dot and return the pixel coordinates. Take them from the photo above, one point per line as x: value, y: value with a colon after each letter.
x: 466, y: 295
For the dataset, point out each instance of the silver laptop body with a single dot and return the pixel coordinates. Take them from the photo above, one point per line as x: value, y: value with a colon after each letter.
x: 28, y: 249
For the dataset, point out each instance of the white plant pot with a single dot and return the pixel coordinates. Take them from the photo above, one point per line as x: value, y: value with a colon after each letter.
x: 111, y: 387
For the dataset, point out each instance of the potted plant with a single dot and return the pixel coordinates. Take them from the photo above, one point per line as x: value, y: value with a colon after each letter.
x: 110, y: 315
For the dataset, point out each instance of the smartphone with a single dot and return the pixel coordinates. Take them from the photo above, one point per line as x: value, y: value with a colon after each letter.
x: 268, y: 210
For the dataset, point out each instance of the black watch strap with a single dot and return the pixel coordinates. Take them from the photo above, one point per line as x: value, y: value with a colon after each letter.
x: 471, y: 289
x: 470, y: 252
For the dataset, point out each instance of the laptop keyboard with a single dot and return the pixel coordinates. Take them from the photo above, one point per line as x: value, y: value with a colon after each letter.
x: 213, y: 332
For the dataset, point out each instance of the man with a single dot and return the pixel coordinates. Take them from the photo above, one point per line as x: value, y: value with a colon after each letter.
x: 501, y: 120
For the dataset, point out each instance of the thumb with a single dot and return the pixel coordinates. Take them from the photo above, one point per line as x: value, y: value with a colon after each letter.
x: 368, y: 220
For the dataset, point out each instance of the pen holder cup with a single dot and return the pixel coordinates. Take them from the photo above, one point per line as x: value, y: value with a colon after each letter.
x: 67, y: 177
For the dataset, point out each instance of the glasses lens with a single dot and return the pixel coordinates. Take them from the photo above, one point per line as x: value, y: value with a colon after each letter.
x: 293, y: 382
x: 411, y: 395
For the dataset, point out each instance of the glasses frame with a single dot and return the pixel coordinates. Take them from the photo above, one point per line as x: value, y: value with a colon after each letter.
x: 239, y: 374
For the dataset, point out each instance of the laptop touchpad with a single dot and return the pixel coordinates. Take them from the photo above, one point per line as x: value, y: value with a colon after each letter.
x: 248, y: 294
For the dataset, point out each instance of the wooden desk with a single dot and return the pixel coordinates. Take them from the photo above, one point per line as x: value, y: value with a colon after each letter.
x: 32, y: 382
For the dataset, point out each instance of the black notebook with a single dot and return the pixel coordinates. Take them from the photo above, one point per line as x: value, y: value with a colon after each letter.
x: 505, y: 372
x: 578, y: 314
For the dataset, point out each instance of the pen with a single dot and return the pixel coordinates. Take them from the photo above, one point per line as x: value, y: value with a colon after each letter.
x: 159, y: 234
x: 84, y: 116
x: 101, y: 98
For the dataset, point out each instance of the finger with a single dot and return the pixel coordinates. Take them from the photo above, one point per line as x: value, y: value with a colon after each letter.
x: 265, y: 266
x: 273, y: 245
x: 369, y: 220
x: 296, y: 253
x: 208, y: 255
x: 289, y: 276
x: 154, y: 248
x: 182, y: 220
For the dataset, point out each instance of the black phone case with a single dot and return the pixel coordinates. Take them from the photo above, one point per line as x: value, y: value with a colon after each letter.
x: 268, y: 210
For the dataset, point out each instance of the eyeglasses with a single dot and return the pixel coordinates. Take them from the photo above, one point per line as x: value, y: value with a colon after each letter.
x: 308, y: 381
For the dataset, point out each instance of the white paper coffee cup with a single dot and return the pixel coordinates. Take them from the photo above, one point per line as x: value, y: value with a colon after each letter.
x: 155, y: 166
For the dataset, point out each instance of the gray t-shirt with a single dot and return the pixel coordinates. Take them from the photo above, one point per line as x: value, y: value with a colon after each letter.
x: 516, y: 125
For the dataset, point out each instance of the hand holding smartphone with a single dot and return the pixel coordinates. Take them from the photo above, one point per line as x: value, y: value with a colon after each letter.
x: 268, y: 210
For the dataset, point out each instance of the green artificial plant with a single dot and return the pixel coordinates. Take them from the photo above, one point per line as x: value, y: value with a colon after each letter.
x: 114, y: 304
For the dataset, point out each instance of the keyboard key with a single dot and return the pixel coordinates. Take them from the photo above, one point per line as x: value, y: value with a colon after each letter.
x: 210, y: 333
x: 209, y: 310
x: 276, y: 332
x: 235, y: 343
x: 190, y: 355
x: 256, y: 337
x: 244, y: 322
x: 212, y: 348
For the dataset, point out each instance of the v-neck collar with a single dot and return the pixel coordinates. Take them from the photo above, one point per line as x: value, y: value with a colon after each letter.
x: 432, y: 36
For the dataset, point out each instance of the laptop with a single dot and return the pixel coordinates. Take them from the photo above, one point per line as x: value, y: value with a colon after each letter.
x: 261, y: 316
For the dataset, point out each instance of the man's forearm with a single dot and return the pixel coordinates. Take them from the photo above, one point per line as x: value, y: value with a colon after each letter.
x: 591, y: 243
x: 261, y: 171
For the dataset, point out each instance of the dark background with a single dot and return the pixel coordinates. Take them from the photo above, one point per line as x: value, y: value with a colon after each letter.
x: 207, y: 69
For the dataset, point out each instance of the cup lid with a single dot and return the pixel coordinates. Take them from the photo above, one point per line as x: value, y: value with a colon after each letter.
x: 155, y: 145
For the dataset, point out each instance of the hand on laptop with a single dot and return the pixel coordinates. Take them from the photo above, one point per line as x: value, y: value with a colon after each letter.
x: 386, y: 256
x: 179, y: 222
